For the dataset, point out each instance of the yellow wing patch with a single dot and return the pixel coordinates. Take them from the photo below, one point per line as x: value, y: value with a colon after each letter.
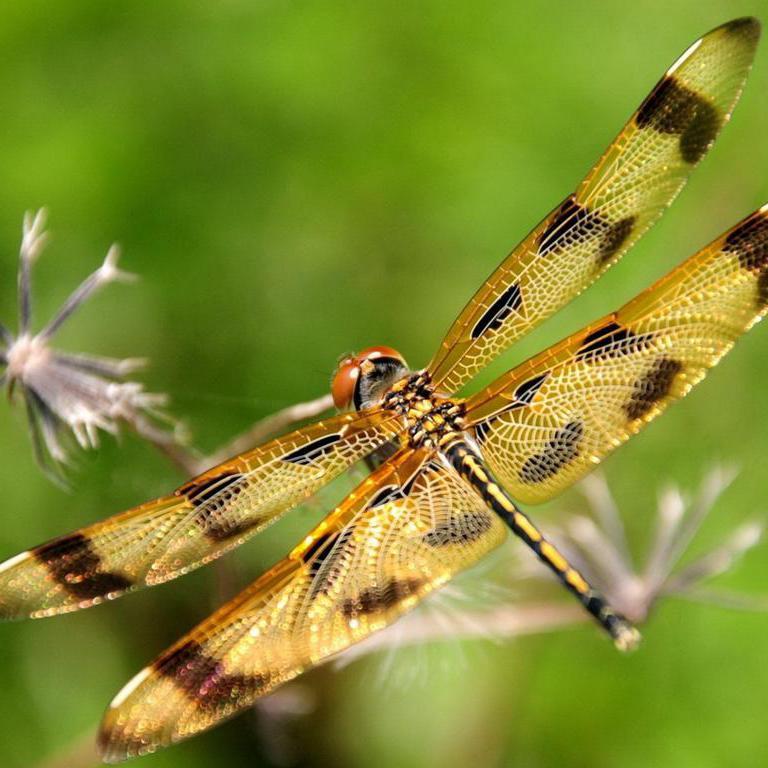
x: 200, y: 521
x: 545, y: 424
x: 624, y: 194
x: 402, y: 534
x: 414, y: 523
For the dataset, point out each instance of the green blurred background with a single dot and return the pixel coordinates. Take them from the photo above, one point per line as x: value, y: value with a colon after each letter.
x: 295, y: 180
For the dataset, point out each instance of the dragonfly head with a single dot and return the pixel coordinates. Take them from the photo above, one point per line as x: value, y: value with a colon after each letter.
x: 362, y: 379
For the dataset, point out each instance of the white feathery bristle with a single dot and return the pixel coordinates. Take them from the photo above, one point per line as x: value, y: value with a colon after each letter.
x: 109, y: 271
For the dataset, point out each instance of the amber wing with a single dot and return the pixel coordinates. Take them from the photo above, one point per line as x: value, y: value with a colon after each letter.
x: 625, y: 193
x: 403, y: 533
x: 200, y: 521
x: 548, y: 422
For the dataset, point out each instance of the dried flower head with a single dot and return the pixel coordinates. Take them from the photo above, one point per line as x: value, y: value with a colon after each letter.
x: 599, y: 543
x: 69, y: 398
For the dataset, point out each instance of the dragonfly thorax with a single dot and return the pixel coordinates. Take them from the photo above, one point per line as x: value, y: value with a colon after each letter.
x: 429, y: 418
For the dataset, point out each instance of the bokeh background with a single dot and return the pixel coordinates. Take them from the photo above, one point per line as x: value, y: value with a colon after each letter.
x: 297, y: 180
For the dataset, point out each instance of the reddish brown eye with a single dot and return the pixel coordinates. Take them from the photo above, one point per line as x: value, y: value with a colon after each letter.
x: 351, y: 368
x: 343, y: 385
x: 371, y: 353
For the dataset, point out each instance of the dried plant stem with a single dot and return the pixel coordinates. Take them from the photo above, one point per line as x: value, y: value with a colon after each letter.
x: 71, y: 398
x: 191, y: 462
x: 184, y: 458
x: 500, y: 622
x: 271, y: 426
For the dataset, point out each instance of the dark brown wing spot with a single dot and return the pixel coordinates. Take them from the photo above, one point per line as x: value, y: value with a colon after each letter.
x: 380, y: 599
x: 610, y: 341
x: 216, y: 527
x: 672, y: 108
x: 312, y: 451
x: 204, y: 488
x: 747, y: 27
x: 492, y: 319
x: 375, y: 459
x: 386, y: 495
x: 667, y: 108
x: 749, y: 241
x: 571, y: 223
x: 203, y: 679
x: 575, y: 223
x: 615, y: 236
x: 522, y: 397
x: 525, y: 393
x: 213, y: 495
x: 72, y: 562
x: 393, y: 492
x: 762, y: 288
x: 481, y: 431
x: 650, y: 388
x: 460, y: 529
x: 319, y: 549
x: 561, y: 449
x: 697, y: 138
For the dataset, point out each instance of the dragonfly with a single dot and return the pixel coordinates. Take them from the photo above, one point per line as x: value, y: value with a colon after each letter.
x: 448, y: 474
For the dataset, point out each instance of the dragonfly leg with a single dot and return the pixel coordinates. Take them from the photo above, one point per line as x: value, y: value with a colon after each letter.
x: 470, y: 466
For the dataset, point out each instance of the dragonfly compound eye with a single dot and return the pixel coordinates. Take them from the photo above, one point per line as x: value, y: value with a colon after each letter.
x: 361, y: 380
x: 344, y: 382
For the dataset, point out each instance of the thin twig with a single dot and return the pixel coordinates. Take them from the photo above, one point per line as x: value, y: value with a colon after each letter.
x: 271, y: 426
x: 501, y: 622
x: 191, y: 462
x: 184, y: 458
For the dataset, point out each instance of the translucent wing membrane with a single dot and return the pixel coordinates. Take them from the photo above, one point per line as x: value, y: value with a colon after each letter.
x: 414, y: 523
x: 403, y: 533
x: 548, y: 422
x: 201, y: 520
x: 635, y: 180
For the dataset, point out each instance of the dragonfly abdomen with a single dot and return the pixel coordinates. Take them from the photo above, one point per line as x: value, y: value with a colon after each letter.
x: 470, y: 465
